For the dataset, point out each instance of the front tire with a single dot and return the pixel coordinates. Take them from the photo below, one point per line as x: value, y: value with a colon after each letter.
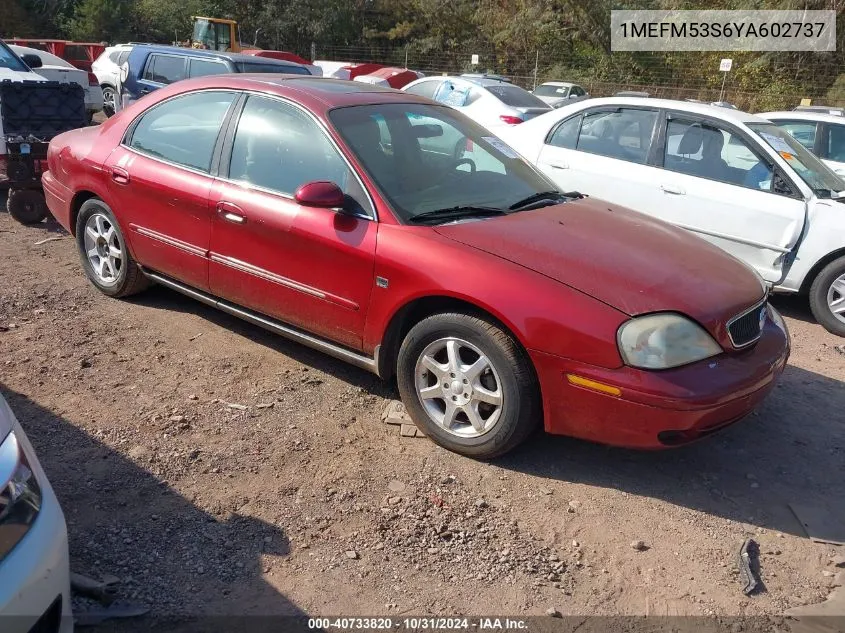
x: 827, y: 297
x: 27, y: 206
x: 468, y: 385
x: 106, y: 259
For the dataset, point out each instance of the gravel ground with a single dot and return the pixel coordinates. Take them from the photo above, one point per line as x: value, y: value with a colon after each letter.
x: 214, y: 468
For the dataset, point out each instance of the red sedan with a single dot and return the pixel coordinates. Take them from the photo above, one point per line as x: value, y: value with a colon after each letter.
x: 398, y: 235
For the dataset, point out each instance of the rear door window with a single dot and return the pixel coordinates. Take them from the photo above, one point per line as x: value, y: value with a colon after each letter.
x: 183, y: 130
x: 836, y: 143
x: 205, y: 67
x: 624, y: 134
x: 165, y: 69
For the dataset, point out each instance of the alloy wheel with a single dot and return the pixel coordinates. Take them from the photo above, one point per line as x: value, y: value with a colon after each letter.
x: 459, y: 387
x: 103, y: 248
x: 836, y: 298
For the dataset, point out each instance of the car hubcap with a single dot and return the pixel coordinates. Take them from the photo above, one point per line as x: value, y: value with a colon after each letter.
x: 836, y: 298
x: 459, y: 388
x: 103, y: 249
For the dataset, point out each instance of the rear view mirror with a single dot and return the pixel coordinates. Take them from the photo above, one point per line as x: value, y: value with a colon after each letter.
x: 428, y: 130
x: 33, y: 61
x: 321, y: 194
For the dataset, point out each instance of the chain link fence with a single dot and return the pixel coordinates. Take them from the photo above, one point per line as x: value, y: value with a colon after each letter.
x: 756, y: 83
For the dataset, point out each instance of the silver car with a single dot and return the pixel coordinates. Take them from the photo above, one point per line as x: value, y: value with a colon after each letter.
x: 34, y: 567
x: 559, y: 93
x: 486, y: 99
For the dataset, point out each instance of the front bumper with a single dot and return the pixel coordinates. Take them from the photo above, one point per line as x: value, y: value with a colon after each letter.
x: 35, y: 575
x: 657, y: 409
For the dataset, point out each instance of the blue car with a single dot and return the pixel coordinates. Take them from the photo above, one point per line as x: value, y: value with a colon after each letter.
x: 150, y: 67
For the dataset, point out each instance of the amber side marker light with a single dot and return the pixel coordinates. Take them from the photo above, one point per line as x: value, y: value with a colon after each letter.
x: 594, y: 385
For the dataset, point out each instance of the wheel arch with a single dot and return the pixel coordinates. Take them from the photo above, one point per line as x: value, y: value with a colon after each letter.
x: 817, y: 268
x: 419, y: 308
x: 79, y: 198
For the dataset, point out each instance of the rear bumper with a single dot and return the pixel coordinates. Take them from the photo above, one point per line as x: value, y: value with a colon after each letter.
x: 58, y: 199
x: 665, y: 408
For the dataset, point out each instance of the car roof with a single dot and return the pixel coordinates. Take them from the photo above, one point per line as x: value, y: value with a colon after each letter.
x: 803, y: 115
x: 562, y: 84
x: 199, y: 52
x: 319, y: 93
x: 706, y: 109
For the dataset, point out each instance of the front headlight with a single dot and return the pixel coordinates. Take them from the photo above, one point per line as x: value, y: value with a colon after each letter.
x: 661, y: 341
x: 20, y: 495
x: 776, y: 318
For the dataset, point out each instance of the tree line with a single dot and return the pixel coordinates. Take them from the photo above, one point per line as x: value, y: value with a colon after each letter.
x: 565, y: 39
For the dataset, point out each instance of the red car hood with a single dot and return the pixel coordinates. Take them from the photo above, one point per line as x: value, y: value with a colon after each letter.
x: 625, y: 259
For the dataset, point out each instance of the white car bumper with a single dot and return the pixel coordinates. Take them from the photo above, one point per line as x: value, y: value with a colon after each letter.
x: 35, y: 575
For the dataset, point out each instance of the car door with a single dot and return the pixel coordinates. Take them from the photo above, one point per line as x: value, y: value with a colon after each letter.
x: 310, y: 267
x: 718, y: 182
x: 603, y: 152
x: 161, y: 70
x: 160, y: 182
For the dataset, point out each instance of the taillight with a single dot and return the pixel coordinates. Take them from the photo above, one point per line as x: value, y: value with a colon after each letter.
x: 92, y: 80
x: 510, y: 120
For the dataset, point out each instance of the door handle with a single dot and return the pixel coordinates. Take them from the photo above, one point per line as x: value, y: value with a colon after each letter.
x: 559, y: 165
x: 231, y: 213
x: 120, y: 175
x: 673, y: 189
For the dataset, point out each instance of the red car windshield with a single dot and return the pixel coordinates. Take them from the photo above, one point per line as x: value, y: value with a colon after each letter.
x: 427, y: 158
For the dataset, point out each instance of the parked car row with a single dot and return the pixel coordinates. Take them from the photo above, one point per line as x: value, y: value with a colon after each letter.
x: 736, y: 180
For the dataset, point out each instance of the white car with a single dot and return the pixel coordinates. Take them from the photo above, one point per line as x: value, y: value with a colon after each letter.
x: 107, y: 69
x: 55, y: 68
x: 559, y: 93
x: 493, y: 103
x: 734, y: 179
x: 34, y: 567
x: 820, y: 132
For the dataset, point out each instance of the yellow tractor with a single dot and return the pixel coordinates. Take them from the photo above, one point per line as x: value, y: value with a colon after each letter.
x: 216, y: 34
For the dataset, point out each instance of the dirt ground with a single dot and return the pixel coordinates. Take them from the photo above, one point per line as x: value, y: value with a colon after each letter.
x: 300, y: 500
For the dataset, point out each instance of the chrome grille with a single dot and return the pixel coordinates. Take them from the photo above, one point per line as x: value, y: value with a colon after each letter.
x: 747, y: 327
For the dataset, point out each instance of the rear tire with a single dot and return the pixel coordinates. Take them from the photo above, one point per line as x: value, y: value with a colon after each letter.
x: 27, y: 206
x: 105, y: 256
x: 468, y: 385
x: 109, y: 100
x: 827, y: 297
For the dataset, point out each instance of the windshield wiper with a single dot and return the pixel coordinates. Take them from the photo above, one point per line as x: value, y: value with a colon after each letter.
x: 455, y: 213
x: 544, y: 196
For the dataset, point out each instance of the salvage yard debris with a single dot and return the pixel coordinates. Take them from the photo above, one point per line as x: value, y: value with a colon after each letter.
x: 749, y: 566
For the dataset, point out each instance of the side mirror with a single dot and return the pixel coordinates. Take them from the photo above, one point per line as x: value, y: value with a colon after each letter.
x: 321, y: 194
x: 33, y: 61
